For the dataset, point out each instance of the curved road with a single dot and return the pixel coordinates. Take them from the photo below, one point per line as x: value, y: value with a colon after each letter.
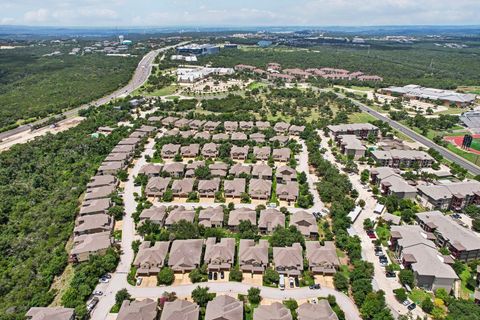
x: 447, y: 154
x: 142, y: 72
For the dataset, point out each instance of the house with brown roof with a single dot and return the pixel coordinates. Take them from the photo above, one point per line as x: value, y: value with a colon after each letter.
x: 197, y: 124
x: 282, y: 140
x: 288, y: 260
x: 150, y: 258
x: 221, y: 137
x: 321, y: 310
x: 122, y: 157
x: 253, y: 258
x: 219, y: 255
x: 218, y: 169
x: 211, y: 217
x: 94, y: 223
x: 230, y: 126
x: 110, y: 168
x: 150, y: 170
x: 257, y: 137
x: 185, y: 134
x: 138, y: 310
x: 239, y: 153
x: 190, y: 151
x: 262, y: 171
x: 237, y: 169
x: 155, y: 119
x: 170, y: 150
x: 182, y: 123
x: 281, y: 155
x: 260, y: 189
x: 157, y: 186
x: 169, y: 121
x: 124, y: 149
x: 262, y: 125
x: 211, y: 125
x: 154, y: 214
x: 238, y: 136
x: 274, y: 311
x: 50, y: 313
x: 205, y: 135
x: 234, y: 188
x: 185, y: 255
x: 138, y: 134
x: 147, y: 129
x: 179, y: 213
x: 210, y: 150
x: 170, y: 133
x: 285, y: 174
x: 180, y: 310
x: 296, y: 130
x: 281, y: 127
x: 322, y: 259
x: 208, y: 188
x: 88, y: 245
x: 181, y: 188
x: 262, y: 153
x: 287, y: 192
x: 306, y: 223
x: 241, y: 214
x: 96, y: 206
x: 270, y: 219
x: 246, y: 125
x: 129, y: 142
x: 224, y: 308
x: 100, y: 192
x: 102, y: 180
x: 174, y: 169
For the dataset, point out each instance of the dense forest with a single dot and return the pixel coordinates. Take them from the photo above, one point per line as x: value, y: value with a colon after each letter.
x: 40, y: 183
x: 401, y: 64
x: 35, y: 86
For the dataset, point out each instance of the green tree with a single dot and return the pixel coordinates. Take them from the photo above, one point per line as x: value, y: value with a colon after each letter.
x: 121, y: 296
x: 166, y: 276
x: 340, y: 281
x: 167, y: 196
x: 122, y: 175
x: 400, y: 294
x: 202, y: 296
x: 427, y: 305
x: 271, y: 276
x: 235, y: 275
x: 407, y: 277
x: 254, y: 295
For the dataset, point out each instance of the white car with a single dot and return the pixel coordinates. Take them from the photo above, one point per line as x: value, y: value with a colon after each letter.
x: 139, y: 281
x: 97, y: 293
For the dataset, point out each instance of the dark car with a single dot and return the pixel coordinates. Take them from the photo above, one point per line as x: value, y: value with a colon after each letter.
x: 107, y: 276
x: 412, y: 306
x: 297, y: 283
x: 215, y: 276
x: 390, y: 274
x: 312, y: 286
x: 222, y: 275
x: 317, y: 286
x: 210, y: 275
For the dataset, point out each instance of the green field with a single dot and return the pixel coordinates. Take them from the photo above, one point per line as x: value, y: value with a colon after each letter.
x: 475, y: 144
x: 32, y: 86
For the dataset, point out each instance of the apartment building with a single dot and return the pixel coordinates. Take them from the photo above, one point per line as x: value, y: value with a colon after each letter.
x: 361, y: 130
x: 396, y: 158
x: 452, y: 196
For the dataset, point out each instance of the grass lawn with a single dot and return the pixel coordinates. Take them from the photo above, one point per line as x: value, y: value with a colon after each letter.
x: 358, y: 88
x: 383, y: 234
x: 162, y: 92
x: 464, y: 154
x: 257, y: 85
x: 360, y: 117
x: 451, y: 110
x: 470, y: 89
x: 418, y: 295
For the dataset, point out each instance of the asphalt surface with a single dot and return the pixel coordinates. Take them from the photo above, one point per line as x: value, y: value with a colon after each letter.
x: 418, y: 137
x: 140, y: 76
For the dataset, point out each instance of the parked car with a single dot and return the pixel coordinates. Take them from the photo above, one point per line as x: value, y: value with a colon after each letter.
x: 92, y: 304
x: 406, y: 302
x: 292, y: 284
x: 371, y: 234
x: 412, y: 306
x: 107, y: 276
x: 378, y: 251
x: 215, y: 276
x: 391, y: 274
x: 316, y: 286
x: 312, y: 286
x: 314, y: 301
x: 139, y: 281
x: 297, y: 283
x: 97, y: 293
x: 210, y: 275
x: 222, y: 275
x: 104, y: 280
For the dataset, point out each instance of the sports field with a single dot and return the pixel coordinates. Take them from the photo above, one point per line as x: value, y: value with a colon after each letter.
x: 457, y: 141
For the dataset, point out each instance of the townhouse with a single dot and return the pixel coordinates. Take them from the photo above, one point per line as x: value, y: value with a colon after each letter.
x: 239, y: 153
x: 219, y: 255
x: 208, y: 188
x: 253, y: 258
x: 185, y: 255
x: 154, y: 214
x: 99, y: 192
x: 462, y: 243
x: 224, y: 307
x: 138, y: 310
x: 260, y: 189
x: 211, y: 217
x: 184, y: 309
x: 321, y: 310
x: 93, y: 224
x: 288, y: 260
x: 306, y: 223
x: 235, y: 188
x: 287, y: 192
x: 274, y: 311
x: 170, y: 150
x: 262, y: 153
x: 281, y: 155
x: 449, y: 196
x: 87, y: 245
x: 351, y: 146
x: 397, y: 158
x: 179, y: 213
x: 322, y: 259
x: 361, y: 130
x: 241, y: 214
x: 156, y: 186
x: 391, y: 183
x: 270, y: 219
x: 150, y: 258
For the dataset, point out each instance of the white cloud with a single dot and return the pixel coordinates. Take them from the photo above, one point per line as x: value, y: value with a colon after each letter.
x: 7, y: 21
x: 36, y: 16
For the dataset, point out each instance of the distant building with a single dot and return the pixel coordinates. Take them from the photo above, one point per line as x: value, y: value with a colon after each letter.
x: 198, y: 49
x: 447, y: 97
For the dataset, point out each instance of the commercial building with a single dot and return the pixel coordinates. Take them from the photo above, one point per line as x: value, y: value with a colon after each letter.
x: 447, y: 97
x: 198, y: 49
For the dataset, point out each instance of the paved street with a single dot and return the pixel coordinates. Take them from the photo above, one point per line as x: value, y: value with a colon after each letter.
x: 380, y: 280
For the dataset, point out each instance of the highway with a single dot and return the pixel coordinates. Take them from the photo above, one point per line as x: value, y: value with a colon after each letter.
x: 142, y: 72
x: 418, y: 137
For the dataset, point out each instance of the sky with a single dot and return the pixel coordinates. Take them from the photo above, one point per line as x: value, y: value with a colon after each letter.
x: 158, y: 13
